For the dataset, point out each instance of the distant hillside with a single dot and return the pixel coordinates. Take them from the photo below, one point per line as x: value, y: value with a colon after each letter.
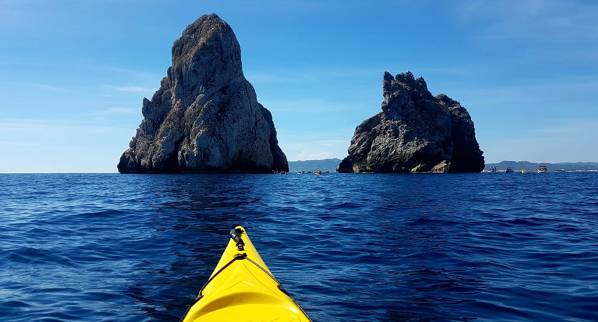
x: 532, y: 166
x: 331, y: 164
x: 311, y: 165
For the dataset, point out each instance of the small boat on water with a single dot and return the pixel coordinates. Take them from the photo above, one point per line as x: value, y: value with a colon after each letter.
x: 542, y: 169
x: 318, y: 172
x: 243, y: 289
x: 509, y: 170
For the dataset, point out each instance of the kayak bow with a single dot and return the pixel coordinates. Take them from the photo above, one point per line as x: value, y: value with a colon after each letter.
x: 242, y: 288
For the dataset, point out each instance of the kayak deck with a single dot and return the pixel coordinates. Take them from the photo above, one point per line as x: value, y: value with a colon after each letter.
x: 242, y: 288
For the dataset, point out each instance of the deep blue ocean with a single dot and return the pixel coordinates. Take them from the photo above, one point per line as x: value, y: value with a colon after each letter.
x: 363, y: 247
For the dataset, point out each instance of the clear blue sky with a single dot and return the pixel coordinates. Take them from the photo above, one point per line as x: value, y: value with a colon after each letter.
x: 73, y: 73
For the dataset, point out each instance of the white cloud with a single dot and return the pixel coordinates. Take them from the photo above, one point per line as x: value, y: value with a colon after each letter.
x: 305, y: 104
x: 132, y: 89
x: 153, y: 75
x: 568, y: 140
x: 8, y: 12
x: 37, y: 86
x: 305, y: 149
x: 314, y: 155
x: 117, y: 111
x: 268, y: 78
x: 30, y: 145
x: 303, y: 75
x: 551, y: 20
x: 535, y: 101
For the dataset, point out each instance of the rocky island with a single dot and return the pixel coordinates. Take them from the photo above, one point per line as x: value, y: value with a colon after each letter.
x: 415, y: 132
x: 205, y: 116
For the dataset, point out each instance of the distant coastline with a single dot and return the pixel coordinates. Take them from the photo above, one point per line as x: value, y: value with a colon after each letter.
x: 331, y: 164
x: 532, y: 166
x: 311, y: 165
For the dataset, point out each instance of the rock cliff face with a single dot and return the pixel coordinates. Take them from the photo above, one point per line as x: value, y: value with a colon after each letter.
x: 205, y: 117
x: 415, y: 132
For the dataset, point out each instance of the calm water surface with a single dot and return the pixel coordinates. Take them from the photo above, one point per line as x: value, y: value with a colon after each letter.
x: 476, y: 247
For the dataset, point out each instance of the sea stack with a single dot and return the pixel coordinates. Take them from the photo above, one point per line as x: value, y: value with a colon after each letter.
x: 415, y: 132
x: 205, y: 116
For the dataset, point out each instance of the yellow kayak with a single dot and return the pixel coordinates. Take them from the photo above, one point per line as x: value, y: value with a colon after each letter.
x: 242, y: 288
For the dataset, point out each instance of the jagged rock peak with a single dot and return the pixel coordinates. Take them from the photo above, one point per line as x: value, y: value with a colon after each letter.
x: 208, y: 37
x: 403, y: 82
x: 416, y: 132
x: 205, y: 116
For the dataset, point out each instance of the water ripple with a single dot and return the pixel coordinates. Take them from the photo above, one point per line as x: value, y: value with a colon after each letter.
x: 348, y: 247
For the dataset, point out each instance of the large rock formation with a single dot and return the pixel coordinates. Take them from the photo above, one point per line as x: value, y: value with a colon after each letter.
x: 205, y: 117
x: 415, y: 132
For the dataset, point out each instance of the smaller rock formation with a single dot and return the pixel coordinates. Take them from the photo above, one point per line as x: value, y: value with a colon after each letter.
x: 415, y: 132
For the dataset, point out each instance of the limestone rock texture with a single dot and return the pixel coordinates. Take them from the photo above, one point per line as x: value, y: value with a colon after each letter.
x: 415, y: 132
x: 205, y: 116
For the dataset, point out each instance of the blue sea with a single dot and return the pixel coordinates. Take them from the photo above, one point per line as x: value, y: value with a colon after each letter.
x: 347, y: 247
